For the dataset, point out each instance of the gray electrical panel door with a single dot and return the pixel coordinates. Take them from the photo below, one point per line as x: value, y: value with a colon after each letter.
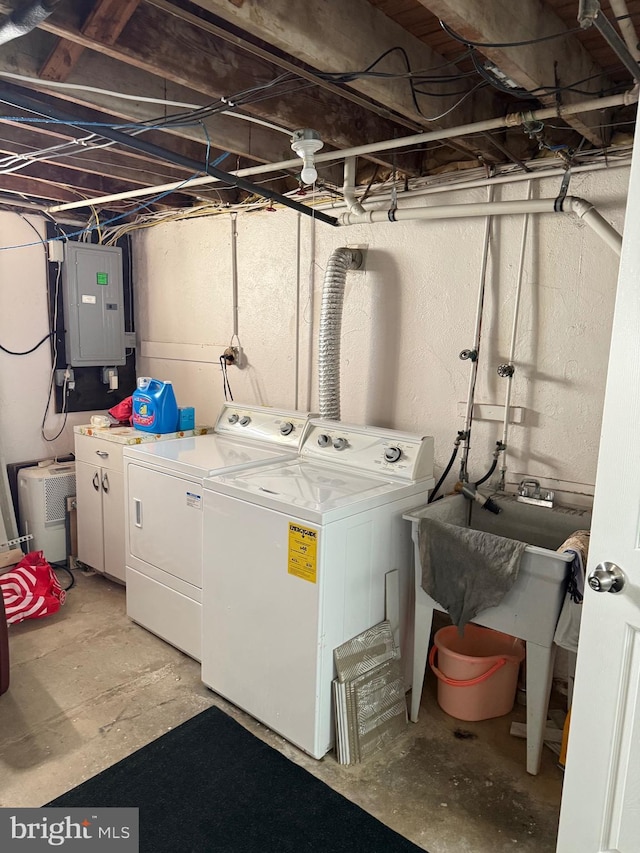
x: 93, y: 298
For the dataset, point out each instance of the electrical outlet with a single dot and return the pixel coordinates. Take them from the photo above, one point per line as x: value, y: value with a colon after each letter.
x: 65, y: 375
x: 234, y: 356
x: 55, y: 249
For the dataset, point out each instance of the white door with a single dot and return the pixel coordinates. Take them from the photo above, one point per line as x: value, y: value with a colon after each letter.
x: 601, y: 798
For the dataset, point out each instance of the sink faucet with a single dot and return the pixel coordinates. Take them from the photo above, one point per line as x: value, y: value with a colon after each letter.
x: 529, y: 492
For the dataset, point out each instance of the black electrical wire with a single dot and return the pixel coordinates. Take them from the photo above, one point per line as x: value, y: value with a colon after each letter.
x: 535, y: 94
x: 62, y: 567
x: 27, y: 351
x: 443, y: 476
x: 550, y: 37
x: 33, y: 228
x: 225, y: 379
x: 468, y: 42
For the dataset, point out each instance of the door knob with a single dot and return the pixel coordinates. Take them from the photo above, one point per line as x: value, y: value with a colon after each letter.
x: 606, y: 577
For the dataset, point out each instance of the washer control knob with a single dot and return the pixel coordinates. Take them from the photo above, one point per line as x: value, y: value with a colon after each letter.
x: 233, y: 419
x: 340, y: 443
x: 392, y: 454
x: 324, y: 440
x: 245, y: 420
x: 286, y: 428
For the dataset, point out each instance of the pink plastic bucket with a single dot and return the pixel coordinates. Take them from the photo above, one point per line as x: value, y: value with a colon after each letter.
x: 477, y: 672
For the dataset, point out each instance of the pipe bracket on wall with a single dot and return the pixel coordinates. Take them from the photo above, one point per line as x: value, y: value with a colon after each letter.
x: 564, y: 188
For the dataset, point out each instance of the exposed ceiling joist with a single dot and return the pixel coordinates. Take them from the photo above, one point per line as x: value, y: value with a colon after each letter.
x: 334, y: 36
x: 241, y: 138
x: 19, y: 141
x: 170, y: 48
x: 105, y: 22
x: 338, y: 67
x: 531, y: 66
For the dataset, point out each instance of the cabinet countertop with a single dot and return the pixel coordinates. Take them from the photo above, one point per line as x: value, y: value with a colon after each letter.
x: 131, y: 435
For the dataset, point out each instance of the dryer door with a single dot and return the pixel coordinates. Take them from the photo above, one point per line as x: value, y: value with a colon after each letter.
x: 165, y: 523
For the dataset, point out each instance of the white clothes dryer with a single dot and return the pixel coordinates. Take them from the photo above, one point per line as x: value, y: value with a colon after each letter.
x: 163, y: 493
x: 297, y: 555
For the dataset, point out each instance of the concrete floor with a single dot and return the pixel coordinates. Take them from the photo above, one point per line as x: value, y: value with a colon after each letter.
x: 88, y: 687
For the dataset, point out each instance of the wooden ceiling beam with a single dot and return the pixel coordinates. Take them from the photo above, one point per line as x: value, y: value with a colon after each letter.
x: 552, y: 63
x: 18, y: 141
x: 85, y: 184
x: 24, y: 56
x: 170, y: 48
x: 30, y: 188
x: 335, y: 36
x: 105, y: 22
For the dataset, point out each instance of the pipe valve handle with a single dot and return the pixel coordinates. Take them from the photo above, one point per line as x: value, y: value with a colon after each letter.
x: 469, y: 354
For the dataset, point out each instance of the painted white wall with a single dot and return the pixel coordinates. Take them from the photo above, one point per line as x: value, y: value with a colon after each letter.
x: 406, y: 319
x: 24, y: 380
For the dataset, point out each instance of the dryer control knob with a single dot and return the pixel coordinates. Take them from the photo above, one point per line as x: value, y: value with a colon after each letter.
x: 392, y: 454
x: 286, y: 428
x: 340, y: 443
x: 245, y: 420
x: 233, y: 419
x: 324, y: 440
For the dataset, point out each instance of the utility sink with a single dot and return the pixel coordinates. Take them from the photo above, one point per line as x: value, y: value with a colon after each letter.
x: 531, y: 608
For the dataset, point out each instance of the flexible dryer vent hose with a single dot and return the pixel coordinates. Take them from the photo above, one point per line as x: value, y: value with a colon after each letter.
x: 335, y: 277
x: 22, y: 21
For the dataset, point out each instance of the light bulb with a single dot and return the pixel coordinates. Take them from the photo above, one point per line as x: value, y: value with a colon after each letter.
x: 305, y: 143
x: 308, y: 175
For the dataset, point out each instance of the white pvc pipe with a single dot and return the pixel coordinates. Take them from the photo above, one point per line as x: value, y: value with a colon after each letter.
x: 507, y: 178
x: 584, y: 209
x: 511, y: 120
x: 621, y: 11
x: 349, y: 187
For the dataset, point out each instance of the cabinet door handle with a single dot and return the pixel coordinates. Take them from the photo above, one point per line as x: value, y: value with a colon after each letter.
x: 105, y: 483
x: 103, y: 454
x: 138, y: 505
x: 96, y: 482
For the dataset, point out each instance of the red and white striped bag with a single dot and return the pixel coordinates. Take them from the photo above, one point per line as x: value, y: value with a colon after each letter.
x: 31, y: 589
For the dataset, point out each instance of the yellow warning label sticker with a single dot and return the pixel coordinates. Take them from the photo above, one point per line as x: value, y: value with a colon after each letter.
x: 303, y: 549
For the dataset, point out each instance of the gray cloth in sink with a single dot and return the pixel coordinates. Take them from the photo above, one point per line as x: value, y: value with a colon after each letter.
x: 465, y: 570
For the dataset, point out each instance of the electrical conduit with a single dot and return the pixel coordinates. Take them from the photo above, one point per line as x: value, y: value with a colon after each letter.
x: 476, y: 347
x: 335, y: 277
x: 512, y: 348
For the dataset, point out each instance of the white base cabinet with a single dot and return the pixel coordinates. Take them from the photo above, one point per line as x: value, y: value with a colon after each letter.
x: 100, y: 505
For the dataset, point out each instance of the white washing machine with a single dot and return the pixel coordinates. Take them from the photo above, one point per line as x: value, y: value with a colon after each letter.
x: 163, y: 493
x: 297, y: 555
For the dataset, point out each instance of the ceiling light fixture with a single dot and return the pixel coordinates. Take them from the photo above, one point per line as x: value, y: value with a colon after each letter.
x: 305, y: 143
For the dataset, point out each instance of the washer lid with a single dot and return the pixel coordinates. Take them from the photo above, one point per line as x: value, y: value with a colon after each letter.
x: 204, y: 455
x: 309, y: 490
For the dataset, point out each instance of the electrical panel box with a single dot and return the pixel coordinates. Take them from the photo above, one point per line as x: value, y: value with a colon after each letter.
x: 93, y: 298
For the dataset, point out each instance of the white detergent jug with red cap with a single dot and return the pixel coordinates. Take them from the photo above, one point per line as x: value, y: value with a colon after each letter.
x: 154, y: 406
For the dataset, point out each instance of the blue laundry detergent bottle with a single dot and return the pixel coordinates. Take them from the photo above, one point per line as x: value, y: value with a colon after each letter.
x: 154, y: 406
